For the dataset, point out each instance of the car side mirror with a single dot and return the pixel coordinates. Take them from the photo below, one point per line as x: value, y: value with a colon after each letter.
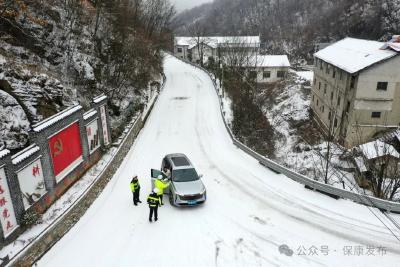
x: 200, y: 175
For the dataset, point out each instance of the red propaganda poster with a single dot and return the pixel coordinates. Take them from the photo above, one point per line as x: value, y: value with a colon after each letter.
x: 66, y: 151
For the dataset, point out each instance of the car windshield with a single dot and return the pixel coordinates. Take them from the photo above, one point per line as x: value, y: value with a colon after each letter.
x: 184, y: 175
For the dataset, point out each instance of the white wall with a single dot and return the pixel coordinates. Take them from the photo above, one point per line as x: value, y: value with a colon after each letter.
x: 207, y: 52
x: 388, y: 71
x: 274, y: 74
x: 183, y: 54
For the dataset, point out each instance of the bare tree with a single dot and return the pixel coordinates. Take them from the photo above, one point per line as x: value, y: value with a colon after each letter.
x: 381, y: 162
x: 199, y: 40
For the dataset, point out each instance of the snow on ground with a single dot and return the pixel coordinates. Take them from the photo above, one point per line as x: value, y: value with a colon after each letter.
x: 250, y: 215
x: 226, y: 103
x: 310, y: 161
x: 306, y: 75
x: 227, y: 109
x: 289, y: 109
x: 292, y: 104
x: 2, y: 60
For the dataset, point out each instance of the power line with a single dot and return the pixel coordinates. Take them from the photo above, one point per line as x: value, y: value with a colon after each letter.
x: 360, y: 194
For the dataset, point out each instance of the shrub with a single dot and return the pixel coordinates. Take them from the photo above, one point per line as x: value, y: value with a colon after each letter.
x: 30, y: 218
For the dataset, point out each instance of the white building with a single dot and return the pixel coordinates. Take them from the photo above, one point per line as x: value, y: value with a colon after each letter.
x: 268, y: 68
x: 193, y: 48
x: 356, y: 89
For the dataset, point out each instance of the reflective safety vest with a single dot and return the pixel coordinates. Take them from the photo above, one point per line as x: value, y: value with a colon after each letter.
x: 153, y: 200
x: 135, y: 186
x: 161, y: 186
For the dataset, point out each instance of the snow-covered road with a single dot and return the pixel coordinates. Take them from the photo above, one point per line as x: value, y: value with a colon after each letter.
x: 249, y: 214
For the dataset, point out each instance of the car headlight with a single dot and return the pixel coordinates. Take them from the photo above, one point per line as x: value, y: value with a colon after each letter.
x: 179, y: 195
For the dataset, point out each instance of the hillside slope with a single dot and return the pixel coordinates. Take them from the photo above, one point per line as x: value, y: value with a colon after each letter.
x: 294, y: 26
x: 57, y: 53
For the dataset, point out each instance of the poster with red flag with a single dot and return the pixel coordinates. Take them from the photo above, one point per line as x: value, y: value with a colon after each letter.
x: 66, y: 151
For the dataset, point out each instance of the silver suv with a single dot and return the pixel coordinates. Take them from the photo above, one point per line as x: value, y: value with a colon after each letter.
x: 186, y: 187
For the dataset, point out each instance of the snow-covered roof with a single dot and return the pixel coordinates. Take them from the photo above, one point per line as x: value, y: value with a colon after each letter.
x: 376, y: 149
x: 89, y: 114
x: 215, y: 41
x: 99, y: 99
x: 24, y: 154
x: 55, y: 118
x: 306, y: 75
x: 268, y: 61
x: 4, y: 153
x: 354, y: 55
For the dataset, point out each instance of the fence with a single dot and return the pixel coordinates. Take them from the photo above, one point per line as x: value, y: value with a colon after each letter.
x: 63, y: 147
x: 332, y: 191
x: 67, y: 220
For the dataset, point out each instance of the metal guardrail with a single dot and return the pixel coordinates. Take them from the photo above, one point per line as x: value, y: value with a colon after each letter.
x: 332, y: 191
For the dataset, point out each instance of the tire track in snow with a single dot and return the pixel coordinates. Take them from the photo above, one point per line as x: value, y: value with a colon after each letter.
x: 325, y: 221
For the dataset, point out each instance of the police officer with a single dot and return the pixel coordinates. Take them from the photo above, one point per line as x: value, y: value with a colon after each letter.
x: 154, y: 201
x: 161, y: 184
x: 135, y: 188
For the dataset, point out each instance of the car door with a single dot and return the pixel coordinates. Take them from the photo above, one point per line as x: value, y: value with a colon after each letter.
x: 154, y: 174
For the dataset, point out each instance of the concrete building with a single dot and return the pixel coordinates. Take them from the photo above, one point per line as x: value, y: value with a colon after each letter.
x: 356, y: 90
x: 268, y: 68
x: 194, y: 48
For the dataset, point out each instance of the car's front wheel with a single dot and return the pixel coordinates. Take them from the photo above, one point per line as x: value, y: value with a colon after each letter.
x: 171, y: 199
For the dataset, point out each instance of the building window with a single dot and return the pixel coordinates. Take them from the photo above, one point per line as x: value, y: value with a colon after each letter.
x: 334, y: 74
x: 376, y: 114
x: 353, y: 81
x: 325, y: 87
x: 335, y: 123
x: 327, y: 69
x: 317, y: 102
x: 266, y: 74
x: 179, y: 50
x: 338, y: 101
x: 323, y: 108
x: 320, y: 65
x: 332, y: 96
x: 319, y: 86
x: 341, y: 75
x: 348, y: 106
x: 281, y: 74
x: 382, y: 86
x: 329, y: 115
x: 313, y: 98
